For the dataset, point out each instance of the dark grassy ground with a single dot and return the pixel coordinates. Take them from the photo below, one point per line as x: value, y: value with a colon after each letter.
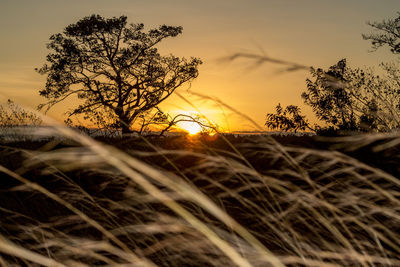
x: 30, y: 218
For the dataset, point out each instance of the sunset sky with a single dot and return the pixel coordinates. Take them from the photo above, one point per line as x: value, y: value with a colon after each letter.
x: 311, y: 32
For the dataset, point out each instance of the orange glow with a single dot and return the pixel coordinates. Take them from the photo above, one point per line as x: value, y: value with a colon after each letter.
x: 191, y: 127
x: 249, y: 86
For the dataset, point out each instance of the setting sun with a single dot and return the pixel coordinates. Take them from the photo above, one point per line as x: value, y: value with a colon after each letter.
x: 191, y: 127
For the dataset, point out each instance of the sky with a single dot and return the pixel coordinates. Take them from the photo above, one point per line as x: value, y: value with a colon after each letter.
x: 311, y: 32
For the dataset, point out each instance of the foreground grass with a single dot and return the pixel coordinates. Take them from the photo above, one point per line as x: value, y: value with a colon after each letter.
x: 195, y: 202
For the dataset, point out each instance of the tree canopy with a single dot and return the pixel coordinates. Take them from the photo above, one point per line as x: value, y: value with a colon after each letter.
x: 288, y: 119
x: 386, y: 33
x: 114, y: 69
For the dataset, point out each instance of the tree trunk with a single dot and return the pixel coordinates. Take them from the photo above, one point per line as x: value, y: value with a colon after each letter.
x: 125, y: 128
x: 125, y: 124
x: 123, y: 120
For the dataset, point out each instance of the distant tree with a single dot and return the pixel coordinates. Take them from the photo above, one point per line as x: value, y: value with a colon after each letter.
x: 12, y: 114
x: 114, y: 69
x: 328, y: 97
x: 354, y: 99
x: 346, y: 99
x: 288, y: 119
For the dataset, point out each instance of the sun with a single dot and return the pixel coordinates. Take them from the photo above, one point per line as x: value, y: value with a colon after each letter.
x: 191, y: 127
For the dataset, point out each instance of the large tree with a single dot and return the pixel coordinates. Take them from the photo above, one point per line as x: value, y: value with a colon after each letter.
x: 114, y: 69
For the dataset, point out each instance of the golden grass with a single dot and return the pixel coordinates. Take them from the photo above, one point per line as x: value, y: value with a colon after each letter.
x: 270, y: 205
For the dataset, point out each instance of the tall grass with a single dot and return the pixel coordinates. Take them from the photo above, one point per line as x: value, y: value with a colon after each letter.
x: 251, y: 203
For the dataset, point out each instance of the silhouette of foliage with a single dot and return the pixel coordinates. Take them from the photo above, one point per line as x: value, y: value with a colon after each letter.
x: 288, y: 119
x: 387, y: 33
x: 13, y: 115
x: 347, y: 99
x: 328, y: 97
x: 354, y: 99
x: 114, y: 69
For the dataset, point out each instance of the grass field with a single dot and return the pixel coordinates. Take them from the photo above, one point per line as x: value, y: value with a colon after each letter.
x: 200, y: 201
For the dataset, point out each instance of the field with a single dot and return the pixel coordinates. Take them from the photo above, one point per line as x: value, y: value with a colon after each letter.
x: 218, y: 200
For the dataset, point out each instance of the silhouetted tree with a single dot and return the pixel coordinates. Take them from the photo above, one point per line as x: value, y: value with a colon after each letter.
x: 354, y: 99
x: 346, y: 99
x: 328, y: 97
x: 387, y: 33
x: 114, y: 69
x: 288, y: 119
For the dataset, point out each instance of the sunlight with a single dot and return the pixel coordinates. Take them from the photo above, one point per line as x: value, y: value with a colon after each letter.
x: 191, y: 127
